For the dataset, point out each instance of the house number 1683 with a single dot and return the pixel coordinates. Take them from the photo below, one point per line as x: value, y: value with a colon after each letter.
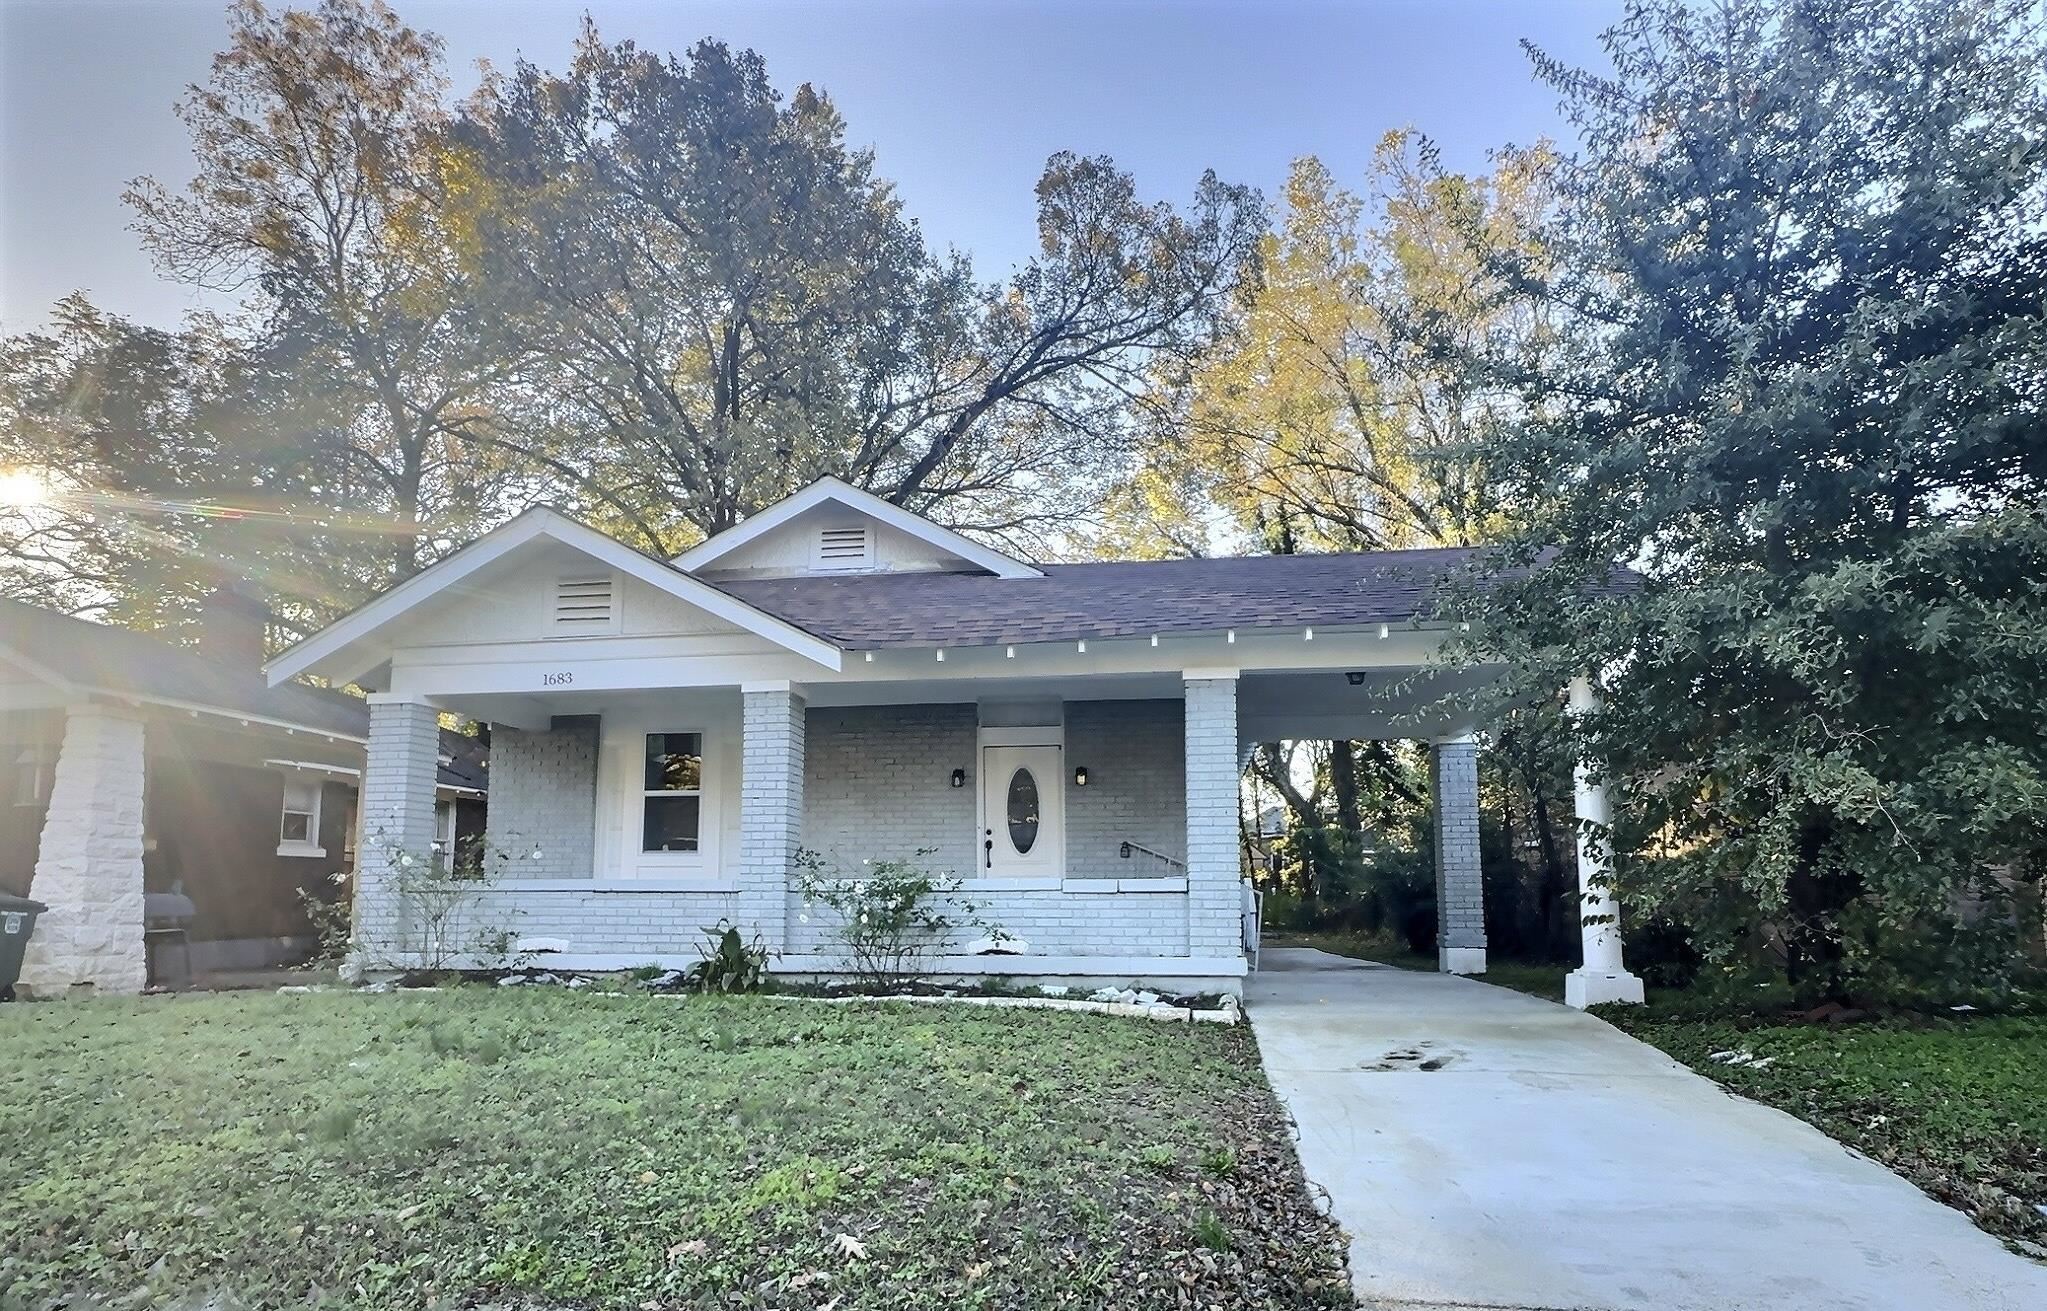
x: 562, y: 679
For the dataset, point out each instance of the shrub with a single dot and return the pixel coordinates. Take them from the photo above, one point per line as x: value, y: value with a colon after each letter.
x: 891, y: 918
x: 727, y: 962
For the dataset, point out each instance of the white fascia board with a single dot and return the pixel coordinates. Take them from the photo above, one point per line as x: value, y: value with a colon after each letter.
x: 895, y: 516
x: 536, y: 523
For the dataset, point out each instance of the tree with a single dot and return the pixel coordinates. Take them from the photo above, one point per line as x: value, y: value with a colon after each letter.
x: 1328, y: 420
x: 719, y: 301
x: 323, y: 176
x: 1800, y: 264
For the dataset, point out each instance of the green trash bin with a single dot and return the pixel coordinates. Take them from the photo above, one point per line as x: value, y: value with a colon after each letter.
x: 17, y: 921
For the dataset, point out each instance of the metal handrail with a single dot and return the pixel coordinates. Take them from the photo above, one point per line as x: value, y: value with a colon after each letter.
x: 1172, y: 862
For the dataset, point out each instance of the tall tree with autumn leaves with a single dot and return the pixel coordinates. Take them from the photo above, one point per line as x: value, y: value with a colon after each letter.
x: 1329, y: 418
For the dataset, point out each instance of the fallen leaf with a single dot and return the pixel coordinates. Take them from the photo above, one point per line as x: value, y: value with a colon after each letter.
x: 850, y: 1246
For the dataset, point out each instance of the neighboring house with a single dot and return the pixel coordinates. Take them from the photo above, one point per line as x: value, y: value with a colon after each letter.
x: 1267, y: 838
x: 154, y: 787
x: 840, y: 675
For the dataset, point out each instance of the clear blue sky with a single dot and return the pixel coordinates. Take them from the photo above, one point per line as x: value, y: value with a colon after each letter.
x: 961, y: 101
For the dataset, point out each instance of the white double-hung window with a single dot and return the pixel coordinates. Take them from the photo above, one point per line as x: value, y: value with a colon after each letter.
x: 672, y: 794
x: 298, y: 827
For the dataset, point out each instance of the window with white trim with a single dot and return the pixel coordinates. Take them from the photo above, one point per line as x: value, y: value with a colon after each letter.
x: 444, y: 834
x: 33, y: 774
x: 586, y: 605
x: 672, y: 793
x: 298, y: 829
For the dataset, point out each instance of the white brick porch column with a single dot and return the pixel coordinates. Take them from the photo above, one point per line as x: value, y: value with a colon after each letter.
x: 1603, y: 977
x: 1460, y: 885
x: 770, y: 806
x: 89, y: 864
x: 1215, y: 898
x: 396, y: 819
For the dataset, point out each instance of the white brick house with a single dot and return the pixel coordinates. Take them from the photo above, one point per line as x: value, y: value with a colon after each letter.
x: 841, y: 676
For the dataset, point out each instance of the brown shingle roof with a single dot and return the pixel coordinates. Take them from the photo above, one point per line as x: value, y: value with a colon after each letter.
x: 1118, y: 599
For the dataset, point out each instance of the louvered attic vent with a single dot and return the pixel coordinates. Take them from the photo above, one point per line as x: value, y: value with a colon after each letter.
x: 585, y: 605
x: 844, y: 548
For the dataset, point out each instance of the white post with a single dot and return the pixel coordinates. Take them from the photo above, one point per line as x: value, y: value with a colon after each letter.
x: 397, y: 824
x: 1215, y: 876
x: 770, y: 805
x: 1603, y: 977
x: 1460, y: 884
x: 89, y: 862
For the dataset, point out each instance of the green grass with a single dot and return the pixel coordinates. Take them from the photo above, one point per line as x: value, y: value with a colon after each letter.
x: 1958, y: 1106
x: 540, y: 1147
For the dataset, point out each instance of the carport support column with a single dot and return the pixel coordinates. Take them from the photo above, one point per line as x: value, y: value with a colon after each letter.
x: 1460, y: 885
x: 1215, y: 896
x: 1603, y: 977
x: 770, y: 806
x: 89, y: 864
x: 397, y: 824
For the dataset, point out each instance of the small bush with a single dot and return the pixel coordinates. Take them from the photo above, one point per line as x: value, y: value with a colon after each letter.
x: 728, y: 962
x: 1211, y: 1233
x: 891, y: 918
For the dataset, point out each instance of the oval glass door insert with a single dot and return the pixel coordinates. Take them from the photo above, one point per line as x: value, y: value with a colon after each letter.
x: 1023, y: 811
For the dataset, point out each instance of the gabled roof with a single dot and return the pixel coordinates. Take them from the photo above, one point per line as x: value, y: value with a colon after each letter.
x: 78, y: 656
x: 356, y: 631
x: 1117, y: 599
x: 831, y: 490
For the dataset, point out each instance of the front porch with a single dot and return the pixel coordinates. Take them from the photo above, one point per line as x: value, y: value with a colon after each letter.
x: 1093, y: 819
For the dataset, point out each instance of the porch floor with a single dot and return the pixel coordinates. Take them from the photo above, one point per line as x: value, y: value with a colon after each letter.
x: 1487, y: 1148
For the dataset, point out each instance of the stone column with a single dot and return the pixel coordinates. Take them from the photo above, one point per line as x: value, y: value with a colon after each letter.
x: 89, y: 864
x: 397, y: 809
x: 1603, y: 977
x: 1460, y: 887
x: 1215, y: 896
x: 770, y: 806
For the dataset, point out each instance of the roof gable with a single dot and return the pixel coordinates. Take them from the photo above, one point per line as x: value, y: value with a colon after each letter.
x: 815, y: 505
x: 347, y: 648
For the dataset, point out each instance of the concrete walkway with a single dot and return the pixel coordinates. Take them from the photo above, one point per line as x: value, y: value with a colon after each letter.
x: 1487, y: 1149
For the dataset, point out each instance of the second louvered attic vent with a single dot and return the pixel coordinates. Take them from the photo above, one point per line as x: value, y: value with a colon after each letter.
x: 844, y: 548
x: 585, y: 605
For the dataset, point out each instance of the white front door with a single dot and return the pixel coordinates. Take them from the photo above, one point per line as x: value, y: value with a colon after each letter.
x: 1023, y: 812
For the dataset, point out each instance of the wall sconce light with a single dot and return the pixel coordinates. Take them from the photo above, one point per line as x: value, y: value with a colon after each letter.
x: 1080, y: 776
x: 1355, y: 677
x: 959, y: 778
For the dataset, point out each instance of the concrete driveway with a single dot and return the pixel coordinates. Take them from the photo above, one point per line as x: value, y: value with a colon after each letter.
x: 1487, y: 1149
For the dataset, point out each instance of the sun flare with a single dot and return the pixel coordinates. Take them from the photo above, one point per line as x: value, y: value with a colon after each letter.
x: 21, y: 488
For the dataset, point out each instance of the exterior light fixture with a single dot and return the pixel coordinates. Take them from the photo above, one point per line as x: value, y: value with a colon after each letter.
x: 1083, y: 646
x: 1230, y: 636
x: 1080, y: 776
x: 1383, y: 631
x: 1009, y: 653
x: 1355, y: 677
x: 1307, y: 635
x: 868, y: 657
x: 941, y: 655
x: 959, y: 778
x: 1154, y: 639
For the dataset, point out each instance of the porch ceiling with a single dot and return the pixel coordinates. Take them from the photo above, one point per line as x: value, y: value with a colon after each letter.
x: 1317, y: 705
x: 1271, y: 706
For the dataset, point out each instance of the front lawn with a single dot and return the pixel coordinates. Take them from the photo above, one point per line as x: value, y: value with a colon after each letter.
x: 518, y: 1147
